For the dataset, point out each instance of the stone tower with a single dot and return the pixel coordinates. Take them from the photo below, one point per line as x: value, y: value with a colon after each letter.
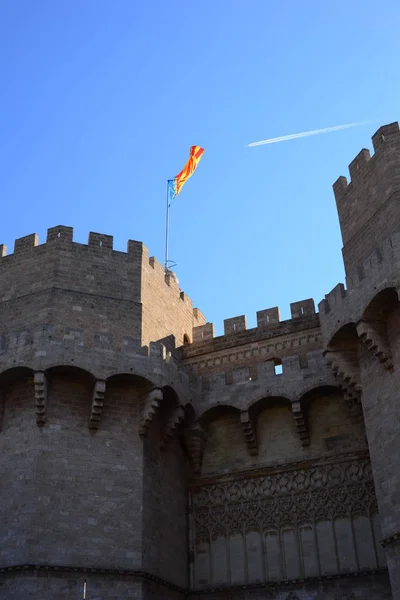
x: 92, y: 474
x: 361, y: 324
x: 152, y: 459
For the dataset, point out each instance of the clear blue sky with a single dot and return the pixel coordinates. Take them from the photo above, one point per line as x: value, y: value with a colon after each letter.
x: 101, y: 100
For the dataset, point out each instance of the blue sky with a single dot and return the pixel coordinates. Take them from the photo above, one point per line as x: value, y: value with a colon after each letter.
x: 101, y: 101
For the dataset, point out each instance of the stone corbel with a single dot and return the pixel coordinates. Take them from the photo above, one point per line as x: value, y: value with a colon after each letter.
x: 97, y: 404
x: 301, y: 423
x: 373, y: 335
x: 176, y: 419
x: 343, y: 367
x: 347, y: 378
x: 196, y: 439
x: 250, y: 432
x: 150, y: 406
x: 40, y: 385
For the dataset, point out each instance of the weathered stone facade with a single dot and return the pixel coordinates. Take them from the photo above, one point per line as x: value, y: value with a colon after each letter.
x: 153, y: 460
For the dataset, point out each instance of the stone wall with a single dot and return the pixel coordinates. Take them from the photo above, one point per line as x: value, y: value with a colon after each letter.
x: 81, y: 492
x: 315, y: 520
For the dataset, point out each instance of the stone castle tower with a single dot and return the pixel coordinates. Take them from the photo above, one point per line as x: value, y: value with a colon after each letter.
x: 153, y: 460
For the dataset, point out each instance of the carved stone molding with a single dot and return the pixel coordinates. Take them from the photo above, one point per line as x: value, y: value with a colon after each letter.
x: 250, y: 432
x: 289, y: 497
x: 85, y: 571
x: 40, y: 384
x: 151, y: 404
x: 196, y: 439
x: 373, y: 336
x: 97, y: 404
x: 175, y: 420
x: 301, y: 423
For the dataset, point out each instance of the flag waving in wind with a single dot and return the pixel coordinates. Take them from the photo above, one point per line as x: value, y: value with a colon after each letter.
x: 175, y: 185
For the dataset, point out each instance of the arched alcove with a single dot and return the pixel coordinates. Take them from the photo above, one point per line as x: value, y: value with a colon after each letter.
x: 226, y: 447
x: 277, y: 437
x: 331, y: 425
x: 69, y: 393
x: 17, y: 405
x: 125, y: 394
x: 381, y: 327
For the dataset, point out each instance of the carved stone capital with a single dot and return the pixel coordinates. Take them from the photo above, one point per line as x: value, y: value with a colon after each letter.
x: 250, y: 432
x: 301, y: 423
x: 175, y: 420
x: 196, y: 440
x: 40, y: 385
x: 150, y: 405
x: 97, y: 404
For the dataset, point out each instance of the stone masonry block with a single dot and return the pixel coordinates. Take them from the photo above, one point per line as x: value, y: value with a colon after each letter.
x: 101, y: 240
x: 203, y: 332
x: 383, y: 134
x: 26, y: 243
x: 268, y: 316
x: 304, y: 308
x: 235, y: 324
x: 60, y: 233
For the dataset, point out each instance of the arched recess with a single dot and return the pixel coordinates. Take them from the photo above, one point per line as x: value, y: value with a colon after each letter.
x: 226, y: 447
x: 16, y: 395
x: 71, y: 372
x: 216, y: 411
x: 68, y: 392
x: 310, y: 393
x: 379, y: 327
x: 330, y: 423
x: 15, y: 374
x: 275, y: 427
x: 126, y: 401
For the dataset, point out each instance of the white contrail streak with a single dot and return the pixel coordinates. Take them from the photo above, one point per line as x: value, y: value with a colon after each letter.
x: 296, y: 136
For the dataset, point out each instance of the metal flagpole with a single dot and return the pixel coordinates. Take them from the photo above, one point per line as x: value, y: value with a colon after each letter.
x: 166, y: 230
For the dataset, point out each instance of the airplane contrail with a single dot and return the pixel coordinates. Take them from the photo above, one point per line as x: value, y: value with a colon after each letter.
x: 296, y: 136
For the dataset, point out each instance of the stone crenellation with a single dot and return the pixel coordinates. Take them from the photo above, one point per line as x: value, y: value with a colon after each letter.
x: 268, y: 325
x: 61, y: 237
x: 368, y: 205
x: 156, y: 460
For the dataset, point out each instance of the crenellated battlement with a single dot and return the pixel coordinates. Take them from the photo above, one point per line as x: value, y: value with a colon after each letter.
x: 385, y: 143
x: 373, y: 191
x: 268, y: 325
x: 117, y: 290
x: 240, y: 354
x: 376, y: 273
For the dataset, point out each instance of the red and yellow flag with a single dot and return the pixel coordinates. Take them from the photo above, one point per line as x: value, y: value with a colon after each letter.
x: 175, y: 185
